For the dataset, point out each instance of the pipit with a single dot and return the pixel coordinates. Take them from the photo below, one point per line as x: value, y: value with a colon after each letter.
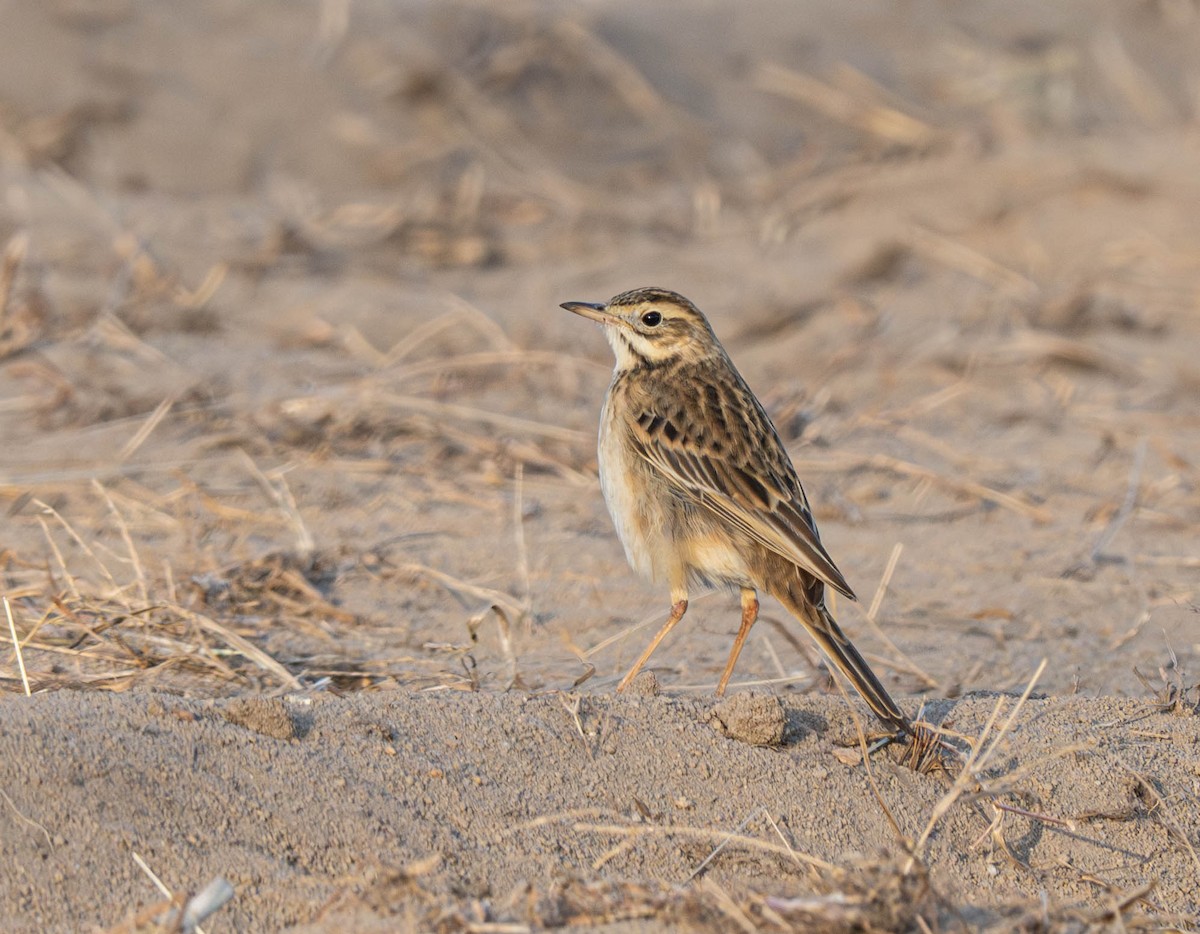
x: 700, y: 488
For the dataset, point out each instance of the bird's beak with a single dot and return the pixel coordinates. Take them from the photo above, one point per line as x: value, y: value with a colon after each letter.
x: 597, y: 311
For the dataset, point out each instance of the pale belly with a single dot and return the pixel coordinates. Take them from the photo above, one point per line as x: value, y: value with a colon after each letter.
x: 665, y: 538
x: 638, y: 523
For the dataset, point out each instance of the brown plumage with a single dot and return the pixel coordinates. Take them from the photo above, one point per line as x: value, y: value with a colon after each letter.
x: 701, y: 489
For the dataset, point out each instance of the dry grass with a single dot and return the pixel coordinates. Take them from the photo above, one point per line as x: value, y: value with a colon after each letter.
x: 500, y: 173
x: 177, y: 913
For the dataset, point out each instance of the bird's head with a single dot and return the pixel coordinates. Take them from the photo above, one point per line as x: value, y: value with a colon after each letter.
x: 651, y: 327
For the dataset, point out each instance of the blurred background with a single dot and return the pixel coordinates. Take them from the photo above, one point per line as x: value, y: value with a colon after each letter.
x: 286, y: 394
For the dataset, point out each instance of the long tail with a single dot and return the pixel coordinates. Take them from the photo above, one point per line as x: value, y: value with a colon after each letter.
x: 841, y: 651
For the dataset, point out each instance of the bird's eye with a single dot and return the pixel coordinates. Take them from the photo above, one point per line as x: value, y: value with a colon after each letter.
x: 652, y: 319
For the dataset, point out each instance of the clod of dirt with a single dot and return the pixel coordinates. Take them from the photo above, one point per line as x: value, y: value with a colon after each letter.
x: 756, y: 719
x: 269, y: 717
x: 644, y: 685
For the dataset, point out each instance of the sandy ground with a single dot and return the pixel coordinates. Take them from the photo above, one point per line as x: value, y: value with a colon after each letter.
x: 299, y: 473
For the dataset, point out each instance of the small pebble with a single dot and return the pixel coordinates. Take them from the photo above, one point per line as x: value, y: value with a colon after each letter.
x: 756, y: 719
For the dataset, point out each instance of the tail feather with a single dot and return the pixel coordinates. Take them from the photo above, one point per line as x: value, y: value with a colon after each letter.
x: 841, y: 651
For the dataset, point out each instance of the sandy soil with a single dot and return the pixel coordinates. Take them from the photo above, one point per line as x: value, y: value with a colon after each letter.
x: 299, y: 472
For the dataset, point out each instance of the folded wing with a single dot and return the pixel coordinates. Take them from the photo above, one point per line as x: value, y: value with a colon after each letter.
x: 704, y: 457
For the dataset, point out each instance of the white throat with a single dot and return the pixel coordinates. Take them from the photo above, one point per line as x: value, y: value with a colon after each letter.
x: 619, y: 341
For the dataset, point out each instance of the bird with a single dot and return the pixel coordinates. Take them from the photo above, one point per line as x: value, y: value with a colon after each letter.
x: 700, y: 487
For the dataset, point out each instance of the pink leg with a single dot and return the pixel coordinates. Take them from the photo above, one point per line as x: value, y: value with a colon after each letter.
x: 749, y: 615
x: 677, y: 612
